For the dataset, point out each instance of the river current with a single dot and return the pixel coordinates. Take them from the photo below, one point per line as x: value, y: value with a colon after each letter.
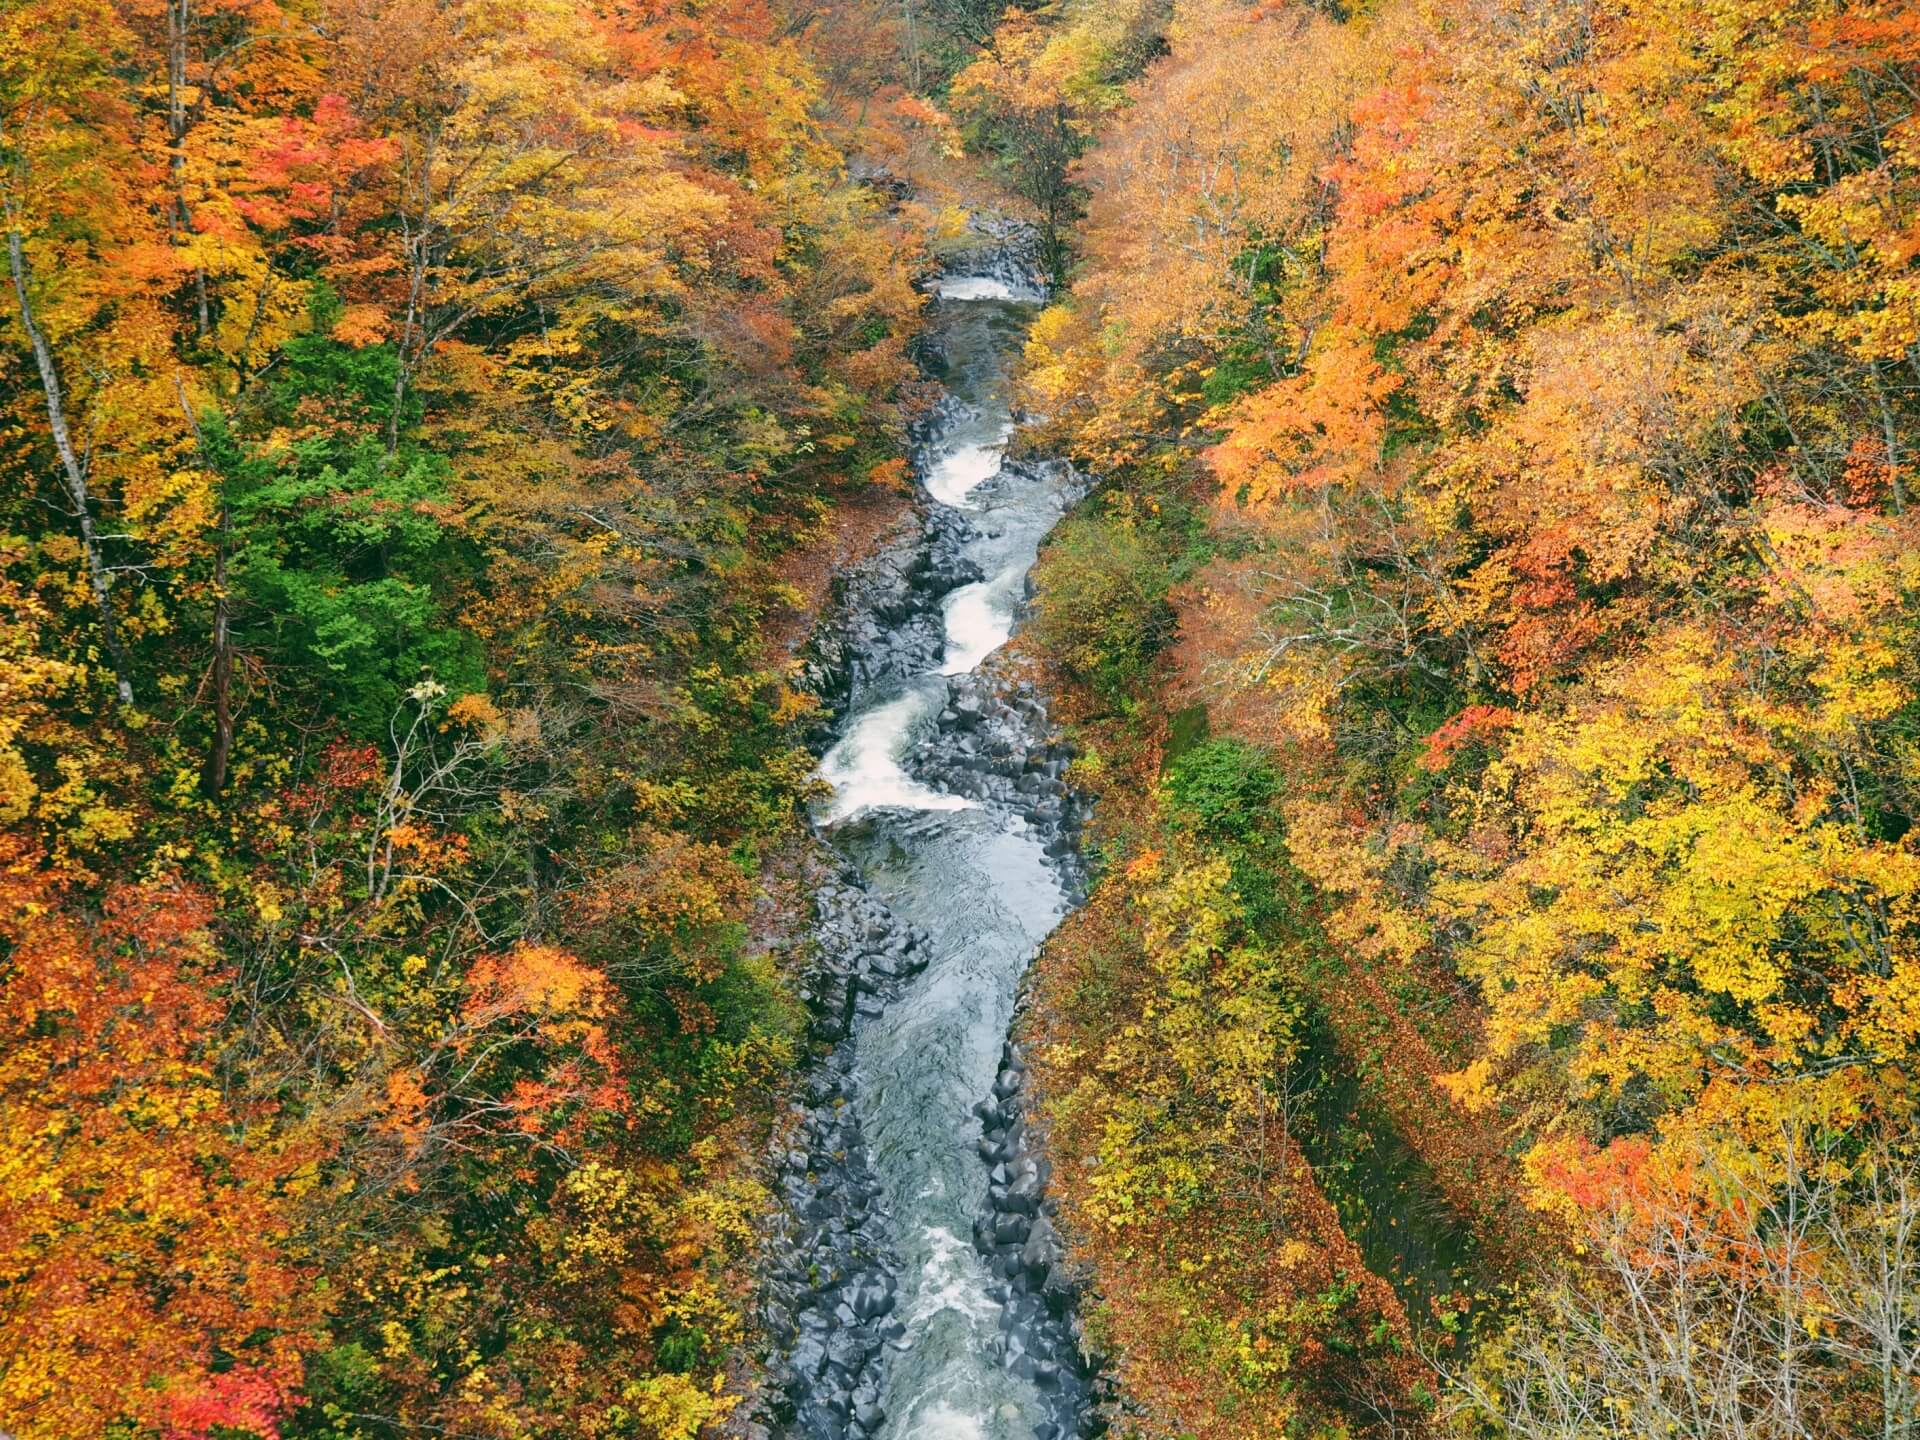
x: 976, y: 880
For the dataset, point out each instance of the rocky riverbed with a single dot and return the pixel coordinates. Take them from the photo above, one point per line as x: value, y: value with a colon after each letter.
x: 914, y: 1284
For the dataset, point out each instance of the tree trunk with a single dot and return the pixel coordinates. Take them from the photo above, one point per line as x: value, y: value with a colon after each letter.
x: 179, y: 16
x: 1890, y: 437
x: 417, y: 241
x: 75, y: 471
x: 213, y: 775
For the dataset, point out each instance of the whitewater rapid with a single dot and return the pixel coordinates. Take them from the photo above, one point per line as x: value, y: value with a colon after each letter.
x: 977, y: 879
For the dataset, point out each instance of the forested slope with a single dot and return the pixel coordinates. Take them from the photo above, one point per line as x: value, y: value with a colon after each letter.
x: 1494, y: 634
x: 416, y: 420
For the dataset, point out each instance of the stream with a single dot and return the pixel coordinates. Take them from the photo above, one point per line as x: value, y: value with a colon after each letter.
x: 918, y: 1290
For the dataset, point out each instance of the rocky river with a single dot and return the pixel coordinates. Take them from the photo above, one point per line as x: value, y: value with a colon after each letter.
x: 917, y: 1290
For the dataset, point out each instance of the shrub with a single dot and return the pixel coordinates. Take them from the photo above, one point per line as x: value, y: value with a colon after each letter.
x: 1222, y: 788
x: 1101, y: 607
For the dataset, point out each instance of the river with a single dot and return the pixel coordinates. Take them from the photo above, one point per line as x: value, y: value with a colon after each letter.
x: 931, y: 1305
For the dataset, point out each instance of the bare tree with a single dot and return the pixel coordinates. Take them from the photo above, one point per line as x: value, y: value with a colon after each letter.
x: 73, y: 465
x: 1773, y: 1301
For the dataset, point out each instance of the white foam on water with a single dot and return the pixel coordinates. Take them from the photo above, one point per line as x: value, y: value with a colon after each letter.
x: 959, y: 473
x: 976, y: 627
x: 951, y: 1281
x: 974, y: 287
x: 864, y: 767
x: 943, y: 1422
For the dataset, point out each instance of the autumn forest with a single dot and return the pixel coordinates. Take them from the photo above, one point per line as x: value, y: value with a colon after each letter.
x: 463, y: 465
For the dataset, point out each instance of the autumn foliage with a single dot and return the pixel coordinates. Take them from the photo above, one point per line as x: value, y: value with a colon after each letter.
x: 406, y: 414
x: 1493, y: 633
x: 145, y: 1243
x: 1519, y: 401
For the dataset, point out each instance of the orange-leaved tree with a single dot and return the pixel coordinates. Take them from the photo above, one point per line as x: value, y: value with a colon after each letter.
x: 145, y: 1212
